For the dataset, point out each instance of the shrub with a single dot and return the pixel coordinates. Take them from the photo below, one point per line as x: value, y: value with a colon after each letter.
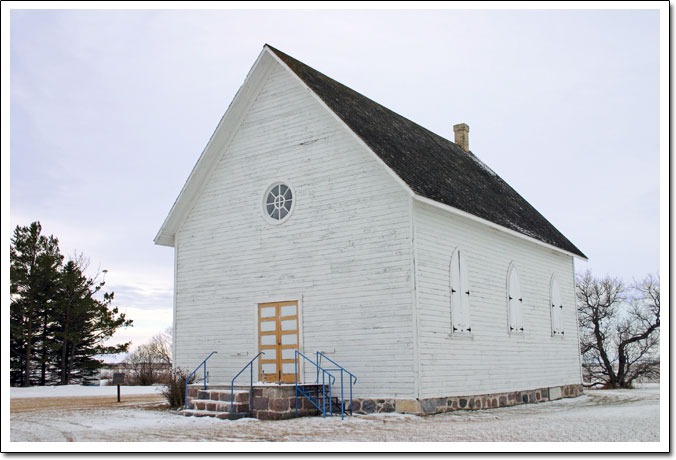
x: 174, y: 389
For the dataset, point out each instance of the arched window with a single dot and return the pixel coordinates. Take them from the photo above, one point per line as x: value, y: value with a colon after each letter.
x: 459, y: 294
x: 514, y: 302
x: 556, y: 308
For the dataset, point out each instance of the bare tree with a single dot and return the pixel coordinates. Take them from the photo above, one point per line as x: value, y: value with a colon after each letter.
x: 619, y: 329
x: 151, y: 362
x: 161, y: 345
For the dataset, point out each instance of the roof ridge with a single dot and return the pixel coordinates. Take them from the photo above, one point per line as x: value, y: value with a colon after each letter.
x: 453, y: 144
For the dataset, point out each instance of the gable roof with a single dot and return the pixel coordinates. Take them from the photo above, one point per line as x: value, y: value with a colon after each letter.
x: 433, y: 167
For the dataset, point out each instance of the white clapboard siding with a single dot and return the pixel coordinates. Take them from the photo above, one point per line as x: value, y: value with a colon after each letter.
x: 344, y: 253
x: 490, y: 360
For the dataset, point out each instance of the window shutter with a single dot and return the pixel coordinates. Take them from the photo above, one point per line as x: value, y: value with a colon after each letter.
x: 464, y: 292
x: 459, y: 297
x: 556, y: 307
x: 515, y: 302
x: 455, y: 291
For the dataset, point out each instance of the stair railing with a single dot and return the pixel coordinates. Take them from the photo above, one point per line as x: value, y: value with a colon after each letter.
x: 342, y: 370
x: 232, y: 385
x: 331, y: 379
x: 203, y: 363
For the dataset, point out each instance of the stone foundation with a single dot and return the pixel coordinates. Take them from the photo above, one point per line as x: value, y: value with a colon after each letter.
x: 278, y: 403
x: 269, y: 402
x: 431, y: 406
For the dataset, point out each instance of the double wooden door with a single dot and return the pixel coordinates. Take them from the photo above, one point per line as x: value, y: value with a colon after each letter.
x: 278, y: 340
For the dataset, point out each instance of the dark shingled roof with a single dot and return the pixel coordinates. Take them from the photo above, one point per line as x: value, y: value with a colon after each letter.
x: 432, y: 166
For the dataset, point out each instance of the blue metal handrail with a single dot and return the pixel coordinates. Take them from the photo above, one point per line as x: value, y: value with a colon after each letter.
x: 203, y: 363
x: 232, y: 385
x: 341, y: 369
x: 324, y: 373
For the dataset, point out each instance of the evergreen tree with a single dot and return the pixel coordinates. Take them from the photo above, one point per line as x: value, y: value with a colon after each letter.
x: 83, y: 323
x: 59, y: 318
x: 34, y: 270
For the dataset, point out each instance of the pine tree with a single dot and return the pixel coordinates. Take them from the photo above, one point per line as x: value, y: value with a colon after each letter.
x: 59, y: 318
x: 83, y: 323
x: 34, y: 270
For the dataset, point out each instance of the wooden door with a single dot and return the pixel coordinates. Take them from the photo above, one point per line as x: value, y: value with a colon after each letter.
x: 278, y: 340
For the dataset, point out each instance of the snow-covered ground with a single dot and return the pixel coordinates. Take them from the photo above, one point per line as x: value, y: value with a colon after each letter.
x: 64, y: 391
x: 606, y: 416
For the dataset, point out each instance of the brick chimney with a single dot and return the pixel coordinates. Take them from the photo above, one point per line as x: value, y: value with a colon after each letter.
x: 462, y: 135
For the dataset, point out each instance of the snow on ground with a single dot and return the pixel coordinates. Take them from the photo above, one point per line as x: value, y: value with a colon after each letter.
x: 599, y: 415
x: 61, y: 391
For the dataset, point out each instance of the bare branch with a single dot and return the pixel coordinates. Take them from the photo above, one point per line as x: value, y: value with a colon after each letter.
x: 619, y: 328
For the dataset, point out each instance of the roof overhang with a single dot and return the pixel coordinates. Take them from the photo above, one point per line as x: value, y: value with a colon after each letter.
x: 493, y: 225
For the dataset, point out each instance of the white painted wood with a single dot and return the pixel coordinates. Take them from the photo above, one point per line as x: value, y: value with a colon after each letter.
x: 464, y: 324
x: 368, y: 262
x: 345, y: 248
x: 490, y: 360
x: 459, y: 287
x: 456, y: 292
x: 556, y: 308
x: 414, y: 300
x: 173, y: 307
x: 349, y: 131
x: 514, y: 301
x: 493, y: 225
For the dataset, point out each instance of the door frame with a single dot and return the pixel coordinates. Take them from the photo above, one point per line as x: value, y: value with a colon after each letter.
x: 275, y: 299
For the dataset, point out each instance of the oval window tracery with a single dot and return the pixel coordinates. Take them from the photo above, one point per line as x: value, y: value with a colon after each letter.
x: 279, y: 201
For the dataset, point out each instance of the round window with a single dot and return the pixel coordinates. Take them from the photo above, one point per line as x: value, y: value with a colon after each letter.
x: 278, y: 202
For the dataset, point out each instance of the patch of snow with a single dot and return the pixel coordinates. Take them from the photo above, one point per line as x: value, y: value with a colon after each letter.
x: 60, y: 391
x: 255, y: 385
x: 515, y: 226
x: 483, y: 165
x: 598, y: 416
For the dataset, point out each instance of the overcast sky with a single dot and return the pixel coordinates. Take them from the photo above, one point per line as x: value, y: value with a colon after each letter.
x: 111, y: 109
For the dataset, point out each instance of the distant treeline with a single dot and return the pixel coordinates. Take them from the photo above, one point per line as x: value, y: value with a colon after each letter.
x: 59, y: 317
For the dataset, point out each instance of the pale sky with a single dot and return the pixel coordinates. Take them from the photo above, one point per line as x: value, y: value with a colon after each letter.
x: 110, y: 110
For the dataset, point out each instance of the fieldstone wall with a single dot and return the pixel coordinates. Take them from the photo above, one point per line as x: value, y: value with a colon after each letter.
x: 278, y: 403
x: 269, y: 402
x: 439, y: 405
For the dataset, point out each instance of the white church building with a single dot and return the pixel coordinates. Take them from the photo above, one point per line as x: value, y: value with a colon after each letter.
x: 318, y: 220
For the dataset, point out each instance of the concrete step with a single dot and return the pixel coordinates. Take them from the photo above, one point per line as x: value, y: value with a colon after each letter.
x: 218, y: 406
x: 211, y: 413
x: 223, y: 395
